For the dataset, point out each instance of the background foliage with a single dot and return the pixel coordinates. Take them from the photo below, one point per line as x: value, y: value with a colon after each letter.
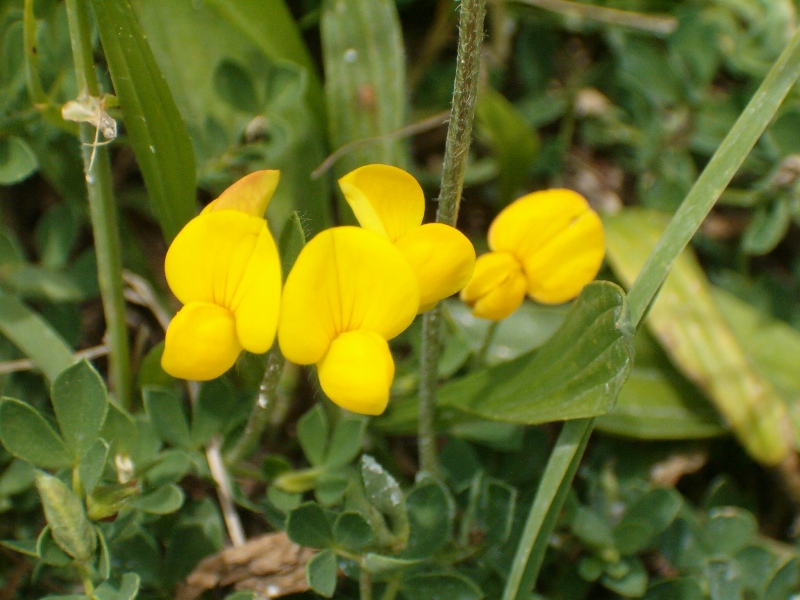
x: 689, y: 491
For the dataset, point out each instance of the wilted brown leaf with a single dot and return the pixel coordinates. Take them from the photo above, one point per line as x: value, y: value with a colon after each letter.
x: 271, y: 565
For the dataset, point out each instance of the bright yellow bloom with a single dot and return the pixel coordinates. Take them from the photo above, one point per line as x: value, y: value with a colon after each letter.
x: 224, y: 267
x: 389, y: 201
x: 547, y: 245
x: 348, y: 293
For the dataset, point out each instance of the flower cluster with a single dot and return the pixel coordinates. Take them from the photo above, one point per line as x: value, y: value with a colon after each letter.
x: 349, y: 292
x: 352, y: 289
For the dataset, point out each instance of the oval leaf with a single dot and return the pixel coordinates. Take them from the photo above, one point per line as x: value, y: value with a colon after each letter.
x: 80, y: 402
x: 27, y: 435
x: 576, y: 374
x: 64, y: 512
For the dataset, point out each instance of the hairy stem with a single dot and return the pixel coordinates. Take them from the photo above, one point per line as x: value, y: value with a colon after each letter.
x: 102, y: 209
x: 459, y: 136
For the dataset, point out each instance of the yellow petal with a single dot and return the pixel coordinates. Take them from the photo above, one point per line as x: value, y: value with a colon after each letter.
x: 530, y: 222
x: 258, y: 295
x: 251, y: 194
x: 357, y: 371
x: 497, y: 287
x: 210, y: 256
x: 201, y: 342
x: 345, y: 279
x: 384, y: 199
x: 558, y: 271
x: 441, y: 257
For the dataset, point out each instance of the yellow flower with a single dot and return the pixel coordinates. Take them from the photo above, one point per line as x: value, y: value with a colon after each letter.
x: 348, y: 293
x: 547, y: 245
x: 224, y: 267
x: 389, y: 201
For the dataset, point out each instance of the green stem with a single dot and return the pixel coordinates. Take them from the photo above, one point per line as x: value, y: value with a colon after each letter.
x: 392, y: 587
x: 262, y: 410
x: 459, y: 135
x: 101, y: 207
x: 715, y: 177
x: 720, y: 170
x: 365, y: 585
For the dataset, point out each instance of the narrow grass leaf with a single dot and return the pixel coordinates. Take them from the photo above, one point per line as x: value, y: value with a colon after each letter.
x: 157, y: 133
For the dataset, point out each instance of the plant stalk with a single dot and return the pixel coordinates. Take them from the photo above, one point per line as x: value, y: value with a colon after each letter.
x: 459, y: 136
x: 259, y: 417
x: 102, y: 209
x: 733, y: 150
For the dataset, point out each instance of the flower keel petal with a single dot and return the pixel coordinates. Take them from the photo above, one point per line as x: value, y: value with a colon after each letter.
x: 357, y: 371
x: 201, y: 342
x: 497, y: 287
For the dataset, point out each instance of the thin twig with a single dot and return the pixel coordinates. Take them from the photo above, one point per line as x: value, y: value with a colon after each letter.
x: 25, y: 364
x: 433, y: 122
x: 224, y: 493
x: 657, y: 25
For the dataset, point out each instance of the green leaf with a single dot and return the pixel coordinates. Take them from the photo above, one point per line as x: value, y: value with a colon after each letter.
x: 17, y: 160
x: 785, y: 581
x: 291, y: 242
x: 271, y: 27
x: 308, y: 526
x: 365, y: 79
x: 657, y: 402
x: 49, y: 551
x: 312, y: 433
x: 26, y: 547
x: 384, y: 493
x: 80, y: 402
x: 645, y: 519
x: 234, y: 85
x: 64, y: 512
x: 686, y: 588
x: 378, y: 564
x: 127, y: 588
x: 431, y: 510
x: 346, y: 442
x: 728, y: 530
x: 92, y: 464
x: 513, y: 141
x: 352, y: 531
x: 163, y: 501
x: 576, y: 374
x: 36, y: 338
x: 496, y: 510
x: 321, y: 573
x: 27, y: 435
x: 767, y: 228
x: 632, y: 584
x: 165, y: 408
x: 156, y: 131
x: 17, y: 477
x: 119, y: 429
x: 593, y: 530
x: 104, y: 561
x: 212, y: 413
x: 724, y: 581
x: 433, y: 586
